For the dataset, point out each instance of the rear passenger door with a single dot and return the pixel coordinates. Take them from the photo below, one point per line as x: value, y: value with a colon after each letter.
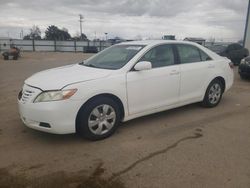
x: 195, y: 68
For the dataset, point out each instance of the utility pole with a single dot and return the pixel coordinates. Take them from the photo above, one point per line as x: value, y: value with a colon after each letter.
x: 21, y: 34
x: 81, y: 20
x: 106, y: 36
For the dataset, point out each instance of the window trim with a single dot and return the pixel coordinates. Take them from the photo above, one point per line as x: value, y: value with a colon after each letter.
x: 155, y: 46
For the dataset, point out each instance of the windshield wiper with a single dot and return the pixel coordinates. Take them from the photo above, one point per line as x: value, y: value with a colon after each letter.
x: 87, y: 65
x: 82, y: 63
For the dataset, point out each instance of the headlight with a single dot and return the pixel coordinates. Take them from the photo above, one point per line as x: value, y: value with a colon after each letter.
x: 55, y: 95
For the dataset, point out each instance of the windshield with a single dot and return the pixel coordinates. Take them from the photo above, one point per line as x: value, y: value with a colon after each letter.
x: 115, y: 57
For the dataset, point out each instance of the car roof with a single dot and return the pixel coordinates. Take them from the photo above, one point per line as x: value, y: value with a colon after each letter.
x: 155, y: 42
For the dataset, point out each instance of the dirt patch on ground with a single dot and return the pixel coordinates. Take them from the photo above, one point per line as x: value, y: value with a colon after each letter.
x: 59, y: 179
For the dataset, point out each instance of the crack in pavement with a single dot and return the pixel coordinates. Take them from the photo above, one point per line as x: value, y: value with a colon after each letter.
x: 151, y: 155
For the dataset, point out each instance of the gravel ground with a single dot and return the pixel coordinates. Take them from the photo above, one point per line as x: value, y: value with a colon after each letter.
x: 186, y: 147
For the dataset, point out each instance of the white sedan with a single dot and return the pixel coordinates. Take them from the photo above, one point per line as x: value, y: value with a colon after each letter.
x: 121, y: 83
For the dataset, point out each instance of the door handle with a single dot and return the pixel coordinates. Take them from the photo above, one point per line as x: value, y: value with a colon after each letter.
x: 174, y: 72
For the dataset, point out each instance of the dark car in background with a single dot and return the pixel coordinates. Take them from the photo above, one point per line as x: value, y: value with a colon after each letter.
x: 235, y: 52
x: 218, y: 48
x: 91, y: 49
x: 244, y: 68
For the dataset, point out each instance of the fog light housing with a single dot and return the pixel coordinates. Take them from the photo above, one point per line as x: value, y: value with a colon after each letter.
x: 46, y: 125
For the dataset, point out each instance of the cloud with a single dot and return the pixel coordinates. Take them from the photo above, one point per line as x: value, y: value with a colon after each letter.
x: 129, y: 18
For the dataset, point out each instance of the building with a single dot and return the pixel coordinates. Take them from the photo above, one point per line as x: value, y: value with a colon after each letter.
x: 168, y: 37
x: 200, y: 41
x: 247, y: 29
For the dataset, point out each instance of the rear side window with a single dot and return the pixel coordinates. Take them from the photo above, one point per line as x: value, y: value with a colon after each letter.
x: 191, y: 54
x: 160, y: 56
x: 204, y: 56
x: 188, y: 53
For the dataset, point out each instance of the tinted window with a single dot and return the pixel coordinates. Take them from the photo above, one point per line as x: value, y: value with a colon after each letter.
x: 160, y: 56
x: 188, y: 53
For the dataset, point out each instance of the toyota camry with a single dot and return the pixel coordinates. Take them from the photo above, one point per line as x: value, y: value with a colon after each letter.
x: 123, y: 82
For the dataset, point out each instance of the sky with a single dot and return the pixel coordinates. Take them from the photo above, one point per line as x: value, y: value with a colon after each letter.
x: 223, y: 20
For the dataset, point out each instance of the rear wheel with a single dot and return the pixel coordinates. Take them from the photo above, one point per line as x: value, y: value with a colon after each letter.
x: 98, y: 119
x: 213, y: 94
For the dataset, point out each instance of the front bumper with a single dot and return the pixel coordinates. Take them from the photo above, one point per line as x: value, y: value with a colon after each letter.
x: 59, y: 115
x: 53, y: 117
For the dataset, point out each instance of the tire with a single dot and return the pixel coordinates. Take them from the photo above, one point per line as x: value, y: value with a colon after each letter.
x: 15, y: 57
x: 213, y: 94
x: 6, y: 57
x: 98, y: 119
x: 243, y: 77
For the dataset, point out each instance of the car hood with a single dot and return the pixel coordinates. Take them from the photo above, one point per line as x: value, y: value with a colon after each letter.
x: 60, y: 77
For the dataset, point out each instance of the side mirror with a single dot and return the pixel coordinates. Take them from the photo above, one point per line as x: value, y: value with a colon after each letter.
x: 143, y: 65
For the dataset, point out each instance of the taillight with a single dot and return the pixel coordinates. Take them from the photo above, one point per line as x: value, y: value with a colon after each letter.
x: 231, y: 65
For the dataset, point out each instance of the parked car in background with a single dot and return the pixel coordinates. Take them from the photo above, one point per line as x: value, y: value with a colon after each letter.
x: 220, y: 49
x: 123, y: 82
x: 244, y: 68
x: 91, y: 49
x: 13, y: 52
x: 235, y: 52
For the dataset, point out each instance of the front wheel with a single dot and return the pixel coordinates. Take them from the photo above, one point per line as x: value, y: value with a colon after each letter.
x: 213, y: 94
x: 98, y: 119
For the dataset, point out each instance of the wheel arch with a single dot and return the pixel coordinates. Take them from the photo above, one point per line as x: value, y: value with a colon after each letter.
x: 221, y: 79
x: 108, y: 95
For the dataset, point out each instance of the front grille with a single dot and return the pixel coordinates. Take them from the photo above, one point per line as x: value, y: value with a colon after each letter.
x: 29, y: 93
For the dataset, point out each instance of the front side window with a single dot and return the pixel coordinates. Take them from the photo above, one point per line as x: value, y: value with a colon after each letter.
x: 115, y: 57
x: 188, y: 53
x: 160, y: 56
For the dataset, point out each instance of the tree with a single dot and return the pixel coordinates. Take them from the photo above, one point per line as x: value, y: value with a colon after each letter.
x: 35, y: 33
x: 54, y: 33
x: 78, y: 37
